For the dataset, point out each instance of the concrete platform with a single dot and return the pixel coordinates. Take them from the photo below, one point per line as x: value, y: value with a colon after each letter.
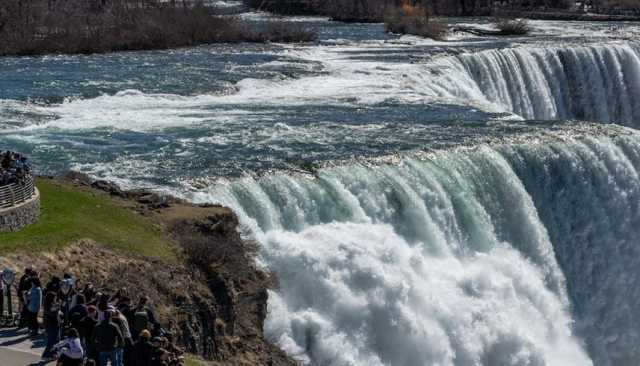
x: 18, y: 349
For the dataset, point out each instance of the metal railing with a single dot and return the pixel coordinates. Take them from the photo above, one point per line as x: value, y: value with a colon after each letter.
x: 16, y: 193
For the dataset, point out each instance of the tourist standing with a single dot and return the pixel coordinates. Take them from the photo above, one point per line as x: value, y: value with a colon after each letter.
x: 89, y: 293
x: 2, y: 294
x: 121, y: 321
x: 103, y: 306
x: 53, y: 285
x: 78, y: 313
x: 87, y: 330
x: 108, y: 341
x: 34, y: 303
x: 143, y: 318
x: 52, y: 317
x: 24, y: 285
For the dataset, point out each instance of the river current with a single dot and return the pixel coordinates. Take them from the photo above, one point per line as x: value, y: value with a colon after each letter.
x: 468, y: 202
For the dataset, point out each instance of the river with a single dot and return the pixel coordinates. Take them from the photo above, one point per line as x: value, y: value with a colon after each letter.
x: 467, y: 202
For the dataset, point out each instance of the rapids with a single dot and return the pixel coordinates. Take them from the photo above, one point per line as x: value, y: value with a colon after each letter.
x: 421, y: 202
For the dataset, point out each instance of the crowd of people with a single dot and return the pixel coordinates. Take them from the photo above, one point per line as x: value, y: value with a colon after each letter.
x: 95, y: 327
x: 14, y: 168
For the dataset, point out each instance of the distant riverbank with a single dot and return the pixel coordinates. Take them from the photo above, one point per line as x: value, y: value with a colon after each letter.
x: 377, y: 10
x: 569, y: 16
x: 79, y: 27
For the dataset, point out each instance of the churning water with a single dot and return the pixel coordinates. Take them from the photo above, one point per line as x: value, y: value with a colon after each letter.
x: 595, y: 83
x: 413, y: 213
x: 451, y: 260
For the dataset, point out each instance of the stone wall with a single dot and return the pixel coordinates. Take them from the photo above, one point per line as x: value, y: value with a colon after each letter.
x: 17, y: 217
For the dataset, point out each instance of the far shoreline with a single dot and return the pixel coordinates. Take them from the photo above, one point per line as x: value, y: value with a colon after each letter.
x: 78, y: 28
x: 375, y: 11
x: 568, y: 16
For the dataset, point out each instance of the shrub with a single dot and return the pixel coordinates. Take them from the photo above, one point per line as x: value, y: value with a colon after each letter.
x: 366, y: 11
x: 622, y: 6
x: 276, y: 31
x: 412, y: 19
x: 515, y: 27
x: 81, y: 26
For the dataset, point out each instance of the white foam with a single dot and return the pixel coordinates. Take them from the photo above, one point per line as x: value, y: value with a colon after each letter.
x: 359, y: 294
x: 440, y: 263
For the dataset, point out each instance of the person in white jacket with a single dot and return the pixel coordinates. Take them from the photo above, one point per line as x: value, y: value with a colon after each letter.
x: 70, y: 349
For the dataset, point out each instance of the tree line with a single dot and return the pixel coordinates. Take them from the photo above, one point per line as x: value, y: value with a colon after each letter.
x: 374, y: 10
x: 31, y: 27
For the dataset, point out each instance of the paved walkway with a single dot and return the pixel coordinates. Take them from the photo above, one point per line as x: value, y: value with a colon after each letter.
x: 18, y: 349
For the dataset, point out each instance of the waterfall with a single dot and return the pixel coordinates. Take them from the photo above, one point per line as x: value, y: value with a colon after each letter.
x: 504, y: 255
x: 595, y: 83
x: 589, y: 199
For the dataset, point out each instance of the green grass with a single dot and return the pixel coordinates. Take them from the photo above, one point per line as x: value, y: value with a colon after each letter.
x: 69, y: 214
x: 192, y: 362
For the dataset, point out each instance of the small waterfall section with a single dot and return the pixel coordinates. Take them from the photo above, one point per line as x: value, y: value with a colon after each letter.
x: 588, y: 196
x: 504, y: 255
x: 595, y: 83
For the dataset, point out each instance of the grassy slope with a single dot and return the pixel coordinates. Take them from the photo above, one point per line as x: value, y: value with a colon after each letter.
x: 69, y: 214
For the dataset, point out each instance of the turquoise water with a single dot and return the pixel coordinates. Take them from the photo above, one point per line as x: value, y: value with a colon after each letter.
x: 468, y: 202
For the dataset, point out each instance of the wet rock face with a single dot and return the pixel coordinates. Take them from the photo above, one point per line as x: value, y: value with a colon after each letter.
x: 235, y: 322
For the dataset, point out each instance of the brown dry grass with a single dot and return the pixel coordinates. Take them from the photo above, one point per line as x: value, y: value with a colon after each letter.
x: 416, y: 20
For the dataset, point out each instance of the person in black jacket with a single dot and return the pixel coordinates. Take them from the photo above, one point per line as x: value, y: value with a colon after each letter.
x: 23, y: 286
x: 51, y: 323
x: 143, y: 349
x: 108, y: 341
x: 86, y: 332
x: 78, y: 313
x: 53, y: 285
x: 143, y: 318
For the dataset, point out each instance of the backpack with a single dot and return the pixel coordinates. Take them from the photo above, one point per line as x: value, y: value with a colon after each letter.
x: 140, y: 320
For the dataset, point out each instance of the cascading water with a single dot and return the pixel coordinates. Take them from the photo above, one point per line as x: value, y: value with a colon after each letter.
x: 595, y: 83
x: 514, y: 254
x: 447, y: 261
x: 589, y: 199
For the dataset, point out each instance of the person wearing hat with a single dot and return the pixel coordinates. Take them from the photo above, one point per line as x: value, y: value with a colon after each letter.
x: 108, y: 341
x: 143, y: 349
